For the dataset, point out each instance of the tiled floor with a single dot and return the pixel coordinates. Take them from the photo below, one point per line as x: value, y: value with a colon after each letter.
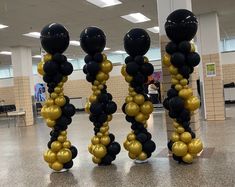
x: 21, y: 161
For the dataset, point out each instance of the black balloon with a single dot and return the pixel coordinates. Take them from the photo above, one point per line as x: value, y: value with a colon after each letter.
x: 96, y: 108
x: 111, y: 107
x: 142, y: 137
x: 185, y: 47
x: 88, y: 58
x: 54, y: 38
x: 63, y: 120
x: 74, y: 151
x: 177, y: 158
x: 169, y: 145
x: 68, y: 110
x: 57, y: 78
x: 51, y: 68
x: 90, y: 78
x: 85, y: 69
x: 59, y: 58
x: 102, y: 118
x: 98, y: 57
x: 193, y: 59
x: 114, y: 148
x: 68, y: 165
x: 171, y: 48
x: 112, y: 137
x: 172, y: 93
x: 132, y: 68
x: 66, y: 68
x: 92, y: 40
x: 166, y: 104
x: 184, y: 71
x: 136, y: 42
x: 106, y: 160
x: 92, y: 68
x: 176, y: 104
x: 181, y: 25
x: 178, y: 59
x: 149, y: 146
x: 147, y: 69
x: 129, y: 59
x: 184, y: 116
x: 139, y: 59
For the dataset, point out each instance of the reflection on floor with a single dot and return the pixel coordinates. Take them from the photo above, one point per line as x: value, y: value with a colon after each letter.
x: 22, y: 164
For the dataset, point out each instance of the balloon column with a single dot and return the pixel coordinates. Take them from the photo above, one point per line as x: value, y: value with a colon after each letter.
x: 181, y: 58
x: 100, y: 105
x: 137, y: 106
x: 57, y: 111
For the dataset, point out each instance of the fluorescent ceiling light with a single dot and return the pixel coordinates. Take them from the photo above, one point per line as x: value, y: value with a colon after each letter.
x: 3, y: 26
x: 33, y: 34
x: 154, y: 29
x: 136, y: 18
x: 5, y: 53
x: 104, y: 3
x: 119, y: 52
x: 74, y: 43
x: 70, y: 59
x: 37, y: 56
x: 106, y: 48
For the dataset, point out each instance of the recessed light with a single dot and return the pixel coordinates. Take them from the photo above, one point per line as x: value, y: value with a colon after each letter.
x: 5, y: 53
x: 33, y: 34
x: 136, y: 18
x: 106, y: 48
x: 154, y: 29
x: 3, y: 26
x: 104, y: 3
x: 37, y: 56
x: 74, y: 43
x: 119, y: 52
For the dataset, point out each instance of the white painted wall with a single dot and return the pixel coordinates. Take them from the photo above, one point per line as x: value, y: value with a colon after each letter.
x: 228, y: 58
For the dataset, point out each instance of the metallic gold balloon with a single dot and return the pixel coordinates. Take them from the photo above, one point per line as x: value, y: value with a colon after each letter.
x: 95, y: 140
x: 90, y: 148
x: 92, y: 98
x: 178, y: 87
x: 47, y: 57
x: 49, y: 156
x: 61, y: 138
x: 57, y: 166
x: 64, y: 155
x: 104, y: 129
x: 193, y: 48
x: 44, y: 111
x: 56, y: 146
x: 130, y: 89
x: 175, y: 124
x: 67, y: 144
x: 139, y: 99
x: 173, y: 70
x: 146, y: 116
x: 105, y: 140
x: 192, y: 103
x: 135, y: 147
x: 106, y: 77
x: 110, y: 117
x: 186, y: 93
x: 97, y: 92
x: 63, y: 133
x: 58, y: 89
x: 123, y: 70
x: 105, y: 124
x: 106, y: 66
x: 133, y: 93
x: 140, y: 117
x: 131, y: 136
x: 50, y: 123
x: 128, y: 78
x: 60, y: 101
x: 132, y: 156
x: 99, y: 151
x: 179, y: 148
x: 142, y: 156
x: 129, y: 99
x: 174, y: 81
x: 100, y: 87
x: 99, y: 134
x: 146, y: 107
x: 65, y: 79
x: 132, y: 109
x: 146, y: 60
x: 188, y: 158
x: 40, y: 68
x: 49, y: 102
x: 175, y: 137
x: 179, y: 77
x: 186, y: 137
x: 195, y: 146
x: 180, y: 129
x: 61, y: 84
x: 96, y: 160
x: 166, y: 60
x: 54, y: 95
x: 96, y: 83
x: 94, y: 88
x: 54, y: 112
x: 126, y: 145
x: 100, y: 76
x: 61, y: 94
x: 183, y: 82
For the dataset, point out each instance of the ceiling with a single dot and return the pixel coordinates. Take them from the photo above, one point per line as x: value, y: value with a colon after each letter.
x: 24, y: 16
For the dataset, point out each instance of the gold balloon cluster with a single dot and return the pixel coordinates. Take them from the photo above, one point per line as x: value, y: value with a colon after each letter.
x: 140, y: 109
x: 51, y: 111
x: 99, y: 141
x: 183, y: 144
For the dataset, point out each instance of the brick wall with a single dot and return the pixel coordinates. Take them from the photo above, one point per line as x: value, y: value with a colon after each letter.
x: 228, y: 73
x: 7, y: 94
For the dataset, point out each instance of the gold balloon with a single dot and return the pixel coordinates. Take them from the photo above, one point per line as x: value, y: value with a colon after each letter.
x: 146, y: 107
x: 142, y: 156
x: 105, y: 140
x: 106, y: 66
x: 126, y: 145
x: 97, y: 92
x: 61, y: 94
x: 50, y: 123
x: 92, y: 98
x: 195, y: 146
x: 130, y: 89
x: 94, y: 88
x: 67, y: 144
x: 100, y: 87
x: 146, y: 116
x: 174, y: 81
x: 49, y: 156
x: 131, y: 136
x: 54, y: 112
x: 132, y: 156
x: 192, y: 103
x: 186, y: 137
x: 135, y: 147
x: 175, y: 137
x: 180, y: 129
x: 100, y: 76
x: 49, y: 102
x: 90, y: 148
x: 58, y: 89
x: 173, y: 70
x: 106, y: 77
x: 133, y: 93
x: 105, y: 124
x: 60, y: 101
x: 99, y: 151
x: 146, y: 60
x: 186, y: 93
x: 129, y: 99
x: 64, y: 155
x: 44, y: 111
x: 128, y: 78
x: 175, y: 124
x: 110, y: 117
x: 61, y: 84
x: 40, y: 68
x: 183, y: 82
x: 47, y: 57
x: 123, y: 71
x: 96, y: 83
x: 96, y: 160
x: 167, y: 59
x: 188, y: 158
x: 54, y: 95
x: 193, y: 48
x: 65, y: 79
x: 56, y: 146
x: 132, y: 109
x: 63, y: 133
x: 104, y: 129
x: 99, y: 134
x: 179, y: 148
x: 61, y: 138
x: 178, y: 87
x: 140, y: 117
x: 139, y: 99
x: 95, y: 140
x: 179, y: 77
x: 104, y: 57
x: 57, y: 166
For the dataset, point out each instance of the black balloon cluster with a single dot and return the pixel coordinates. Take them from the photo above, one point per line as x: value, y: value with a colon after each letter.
x: 181, y: 58
x: 137, y: 106
x: 100, y: 105
x: 57, y: 111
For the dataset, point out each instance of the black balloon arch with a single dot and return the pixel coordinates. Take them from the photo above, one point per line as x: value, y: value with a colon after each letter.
x: 100, y: 105
x: 181, y: 58
x: 57, y: 111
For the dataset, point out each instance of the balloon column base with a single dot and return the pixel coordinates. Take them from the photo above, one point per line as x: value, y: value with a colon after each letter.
x: 140, y: 161
x: 61, y: 171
